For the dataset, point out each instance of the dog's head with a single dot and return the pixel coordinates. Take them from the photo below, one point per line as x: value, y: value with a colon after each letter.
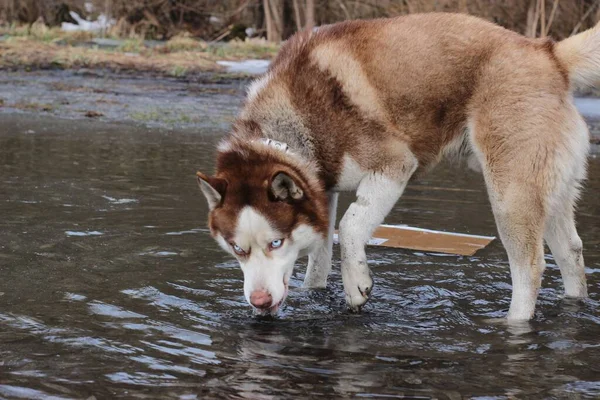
x: 265, y: 211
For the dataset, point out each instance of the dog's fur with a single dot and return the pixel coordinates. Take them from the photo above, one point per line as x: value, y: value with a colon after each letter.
x: 367, y: 105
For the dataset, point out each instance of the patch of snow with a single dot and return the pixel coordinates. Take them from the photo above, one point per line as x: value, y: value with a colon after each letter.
x: 254, y: 67
x: 102, y: 23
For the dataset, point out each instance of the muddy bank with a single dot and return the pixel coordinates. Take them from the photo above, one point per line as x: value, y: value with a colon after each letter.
x: 207, y: 100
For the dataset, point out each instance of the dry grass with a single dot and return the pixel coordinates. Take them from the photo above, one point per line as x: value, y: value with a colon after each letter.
x: 41, y: 32
x: 17, y: 53
x: 41, y: 47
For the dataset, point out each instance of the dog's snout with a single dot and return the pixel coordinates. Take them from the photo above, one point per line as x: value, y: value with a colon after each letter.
x: 261, y: 299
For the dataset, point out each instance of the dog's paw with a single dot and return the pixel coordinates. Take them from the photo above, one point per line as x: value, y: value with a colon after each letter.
x: 358, y: 285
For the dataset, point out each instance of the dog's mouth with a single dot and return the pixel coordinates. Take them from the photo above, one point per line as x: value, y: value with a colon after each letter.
x: 273, y: 310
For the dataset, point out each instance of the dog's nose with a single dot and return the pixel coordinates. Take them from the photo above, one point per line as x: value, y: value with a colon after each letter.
x: 261, y: 299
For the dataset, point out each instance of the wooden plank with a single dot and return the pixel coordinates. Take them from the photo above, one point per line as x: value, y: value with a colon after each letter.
x: 407, y: 237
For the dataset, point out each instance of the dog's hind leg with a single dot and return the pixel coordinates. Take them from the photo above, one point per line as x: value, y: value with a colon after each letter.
x: 520, y: 220
x: 561, y: 233
x: 566, y: 246
x: 319, y: 261
x: 517, y: 168
x: 376, y: 195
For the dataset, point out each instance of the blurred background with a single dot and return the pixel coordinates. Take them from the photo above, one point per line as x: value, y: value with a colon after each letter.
x: 184, y: 38
x: 275, y: 20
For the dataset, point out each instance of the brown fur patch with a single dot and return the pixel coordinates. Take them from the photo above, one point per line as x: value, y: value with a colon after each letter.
x: 248, y: 172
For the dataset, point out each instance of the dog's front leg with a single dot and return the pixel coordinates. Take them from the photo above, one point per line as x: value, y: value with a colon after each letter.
x: 376, y: 195
x: 319, y: 261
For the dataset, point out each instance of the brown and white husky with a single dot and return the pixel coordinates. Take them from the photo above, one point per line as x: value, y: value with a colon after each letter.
x: 366, y: 106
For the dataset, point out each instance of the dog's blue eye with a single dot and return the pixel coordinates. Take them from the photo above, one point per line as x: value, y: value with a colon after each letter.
x: 238, y: 250
x: 276, y: 243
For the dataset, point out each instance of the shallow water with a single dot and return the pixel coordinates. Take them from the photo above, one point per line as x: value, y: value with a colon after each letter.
x: 111, y: 286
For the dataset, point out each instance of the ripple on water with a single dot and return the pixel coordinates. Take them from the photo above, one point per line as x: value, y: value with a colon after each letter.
x: 124, y: 292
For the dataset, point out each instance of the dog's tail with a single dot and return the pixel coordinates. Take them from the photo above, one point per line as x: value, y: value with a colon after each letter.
x: 581, y: 55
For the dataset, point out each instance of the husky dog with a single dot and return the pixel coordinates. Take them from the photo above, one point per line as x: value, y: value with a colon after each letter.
x: 366, y: 106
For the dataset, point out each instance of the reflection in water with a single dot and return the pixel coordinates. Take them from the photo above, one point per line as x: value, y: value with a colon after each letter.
x: 111, y: 286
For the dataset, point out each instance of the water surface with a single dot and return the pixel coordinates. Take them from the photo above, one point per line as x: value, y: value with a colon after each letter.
x: 111, y: 286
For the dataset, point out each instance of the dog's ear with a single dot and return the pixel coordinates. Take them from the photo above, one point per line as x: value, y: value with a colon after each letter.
x: 283, y: 187
x: 213, y: 189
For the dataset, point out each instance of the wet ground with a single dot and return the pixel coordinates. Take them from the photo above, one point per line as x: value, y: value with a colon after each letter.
x: 110, y: 285
x: 166, y: 103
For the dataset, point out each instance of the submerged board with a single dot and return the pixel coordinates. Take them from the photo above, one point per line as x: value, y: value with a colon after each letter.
x: 407, y: 237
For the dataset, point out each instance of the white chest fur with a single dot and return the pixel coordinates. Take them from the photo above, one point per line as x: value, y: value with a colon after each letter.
x: 350, y: 176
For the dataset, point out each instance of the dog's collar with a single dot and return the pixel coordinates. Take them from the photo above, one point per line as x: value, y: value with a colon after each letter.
x: 276, y: 144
